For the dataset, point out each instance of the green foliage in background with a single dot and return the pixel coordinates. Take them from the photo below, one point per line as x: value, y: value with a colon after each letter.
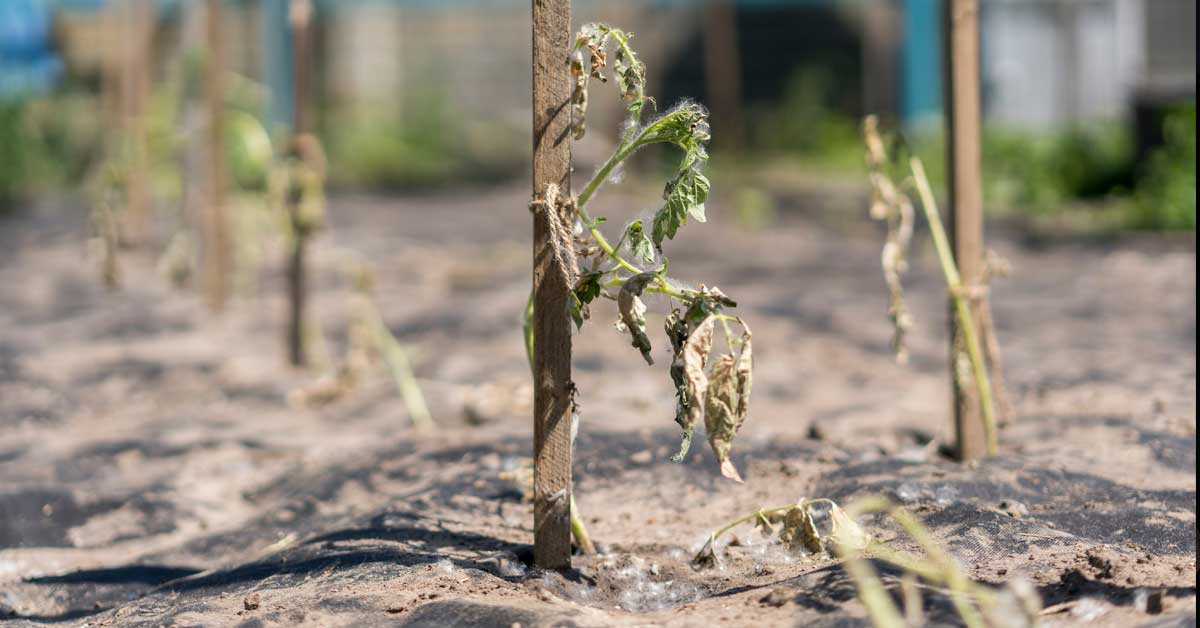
x: 1090, y: 170
x: 807, y: 124
x: 1166, y: 194
x: 12, y: 153
x: 427, y: 144
x: 46, y: 143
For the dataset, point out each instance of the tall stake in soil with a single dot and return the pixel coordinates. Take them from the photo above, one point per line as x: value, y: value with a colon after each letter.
x: 139, y: 44
x: 299, y: 18
x: 218, y: 263
x: 964, y: 322
x: 971, y: 413
x: 552, y: 386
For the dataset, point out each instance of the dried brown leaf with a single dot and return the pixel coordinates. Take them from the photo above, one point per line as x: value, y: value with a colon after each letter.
x: 800, y: 531
x: 633, y: 311
x: 846, y: 532
x: 719, y: 419
x: 691, y: 361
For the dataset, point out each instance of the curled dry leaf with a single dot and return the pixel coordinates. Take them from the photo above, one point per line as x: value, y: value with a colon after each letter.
x: 579, y: 96
x: 689, y: 364
x: 728, y: 402
x: 745, y: 374
x: 846, y: 532
x: 889, y: 203
x: 800, y: 531
x: 633, y: 311
x: 719, y: 419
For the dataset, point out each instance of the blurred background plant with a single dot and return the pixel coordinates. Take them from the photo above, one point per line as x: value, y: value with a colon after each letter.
x: 421, y: 95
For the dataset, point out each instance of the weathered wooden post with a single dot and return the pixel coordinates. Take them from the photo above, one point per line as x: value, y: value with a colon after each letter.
x: 966, y: 215
x: 552, y: 386
x: 140, y: 17
x: 217, y: 246
x: 723, y: 71
x: 299, y: 21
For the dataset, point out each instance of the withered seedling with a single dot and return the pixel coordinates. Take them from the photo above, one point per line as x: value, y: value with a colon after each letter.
x: 708, y: 387
x: 297, y: 187
x: 974, y: 362
x: 371, y: 342
x: 843, y: 539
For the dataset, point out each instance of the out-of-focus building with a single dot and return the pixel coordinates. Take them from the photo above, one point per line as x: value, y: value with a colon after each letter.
x: 1044, y: 63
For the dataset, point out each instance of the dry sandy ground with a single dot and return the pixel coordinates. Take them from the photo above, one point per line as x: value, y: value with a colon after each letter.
x: 152, y: 471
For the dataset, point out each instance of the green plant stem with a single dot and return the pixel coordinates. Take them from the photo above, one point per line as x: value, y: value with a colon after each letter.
x: 966, y: 322
x: 939, y: 568
x: 871, y: 592
x: 803, y: 503
x: 527, y: 328
x: 578, y: 529
x: 401, y: 370
x: 623, y: 152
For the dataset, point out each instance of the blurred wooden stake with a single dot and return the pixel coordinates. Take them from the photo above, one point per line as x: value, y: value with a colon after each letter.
x: 140, y: 18
x: 723, y: 72
x: 966, y: 216
x: 218, y: 263
x: 299, y: 21
x: 553, y: 388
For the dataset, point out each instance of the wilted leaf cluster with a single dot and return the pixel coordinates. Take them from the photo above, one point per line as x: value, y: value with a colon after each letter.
x: 889, y: 203
x: 795, y: 526
x: 712, y: 388
x: 589, y: 60
x: 717, y: 390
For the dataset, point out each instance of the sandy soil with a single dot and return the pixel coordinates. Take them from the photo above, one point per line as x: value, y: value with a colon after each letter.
x: 153, y: 472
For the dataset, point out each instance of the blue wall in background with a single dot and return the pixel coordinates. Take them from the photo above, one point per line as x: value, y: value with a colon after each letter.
x: 921, y: 76
x: 28, y: 63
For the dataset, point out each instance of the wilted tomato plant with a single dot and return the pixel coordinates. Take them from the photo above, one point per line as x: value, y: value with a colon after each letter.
x: 708, y: 387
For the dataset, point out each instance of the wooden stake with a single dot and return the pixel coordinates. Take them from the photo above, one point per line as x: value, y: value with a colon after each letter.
x: 299, y: 19
x: 723, y: 71
x: 966, y: 203
x: 217, y: 246
x: 139, y: 43
x: 300, y: 16
x: 553, y: 388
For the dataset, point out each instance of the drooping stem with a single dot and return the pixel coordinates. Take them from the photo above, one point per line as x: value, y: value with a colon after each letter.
x: 804, y: 503
x: 966, y: 323
x: 579, y: 530
x: 627, y: 148
x: 400, y: 368
x: 297, y: 295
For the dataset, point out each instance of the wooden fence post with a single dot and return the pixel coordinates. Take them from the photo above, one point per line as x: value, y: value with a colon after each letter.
x: 552, y: 386
x: 299, y: 21
x: 140, y: 18
x: 217, y: 249
x: 723, y: 71
x: 966, y: 204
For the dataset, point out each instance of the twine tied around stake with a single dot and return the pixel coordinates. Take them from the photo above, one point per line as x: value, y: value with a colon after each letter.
x: 560, y: 215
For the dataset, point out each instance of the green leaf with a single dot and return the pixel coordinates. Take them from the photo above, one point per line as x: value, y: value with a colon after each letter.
x: 587, y: 288
x: 685, y: 196
x: 686, y: 126
x: 639, y: 242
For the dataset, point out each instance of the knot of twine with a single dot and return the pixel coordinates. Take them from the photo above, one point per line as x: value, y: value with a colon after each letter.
x: 993, y: 266
x: 560, y: 218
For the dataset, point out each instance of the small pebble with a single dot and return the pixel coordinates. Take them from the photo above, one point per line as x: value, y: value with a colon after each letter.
x: 252, y: 602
